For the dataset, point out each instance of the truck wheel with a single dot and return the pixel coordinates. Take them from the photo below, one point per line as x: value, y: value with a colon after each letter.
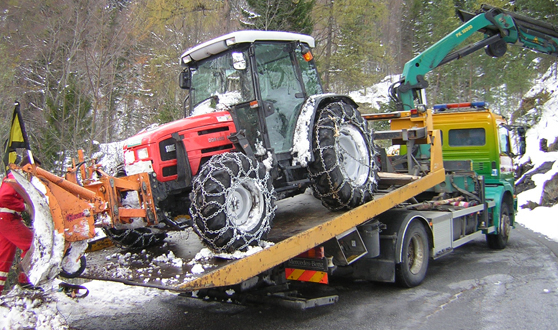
x: 232, y: 202
x: 500, y: 240
x: 344, y: 170
x: 415, y: 255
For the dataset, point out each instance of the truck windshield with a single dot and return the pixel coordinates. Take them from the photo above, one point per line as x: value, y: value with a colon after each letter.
x: 220, y: 82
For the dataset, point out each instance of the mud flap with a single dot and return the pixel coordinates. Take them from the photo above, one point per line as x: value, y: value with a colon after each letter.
x: 42, y: 261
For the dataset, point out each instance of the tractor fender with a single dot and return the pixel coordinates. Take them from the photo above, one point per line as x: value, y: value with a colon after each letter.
x: 303, y: 133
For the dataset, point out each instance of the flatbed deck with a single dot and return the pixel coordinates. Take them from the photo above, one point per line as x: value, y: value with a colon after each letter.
x: 301, y: 223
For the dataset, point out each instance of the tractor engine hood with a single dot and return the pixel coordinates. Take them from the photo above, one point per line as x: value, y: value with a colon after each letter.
x: 179, y: 147
x: 158, y: 133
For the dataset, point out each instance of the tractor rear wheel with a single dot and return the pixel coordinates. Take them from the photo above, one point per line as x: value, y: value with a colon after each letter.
x: 344, y: 171
x: 232, y: 202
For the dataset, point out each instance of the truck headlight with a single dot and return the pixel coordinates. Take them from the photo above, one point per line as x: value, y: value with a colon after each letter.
x: 129, y: 156
x: 143, y: 153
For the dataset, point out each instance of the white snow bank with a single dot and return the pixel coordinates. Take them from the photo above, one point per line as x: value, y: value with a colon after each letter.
x: 541, y: 219
x: 377, y: 94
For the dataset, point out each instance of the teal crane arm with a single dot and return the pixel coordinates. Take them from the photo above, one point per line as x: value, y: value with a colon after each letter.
x: 500, y: 28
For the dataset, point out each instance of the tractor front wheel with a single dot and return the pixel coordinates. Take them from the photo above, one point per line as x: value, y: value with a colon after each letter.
x: 232, y: 202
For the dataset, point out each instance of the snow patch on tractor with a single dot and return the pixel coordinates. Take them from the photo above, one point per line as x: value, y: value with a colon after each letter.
x: 218, y: 102
x: 302, y: 148
x: 268, y: 162
x: 260, y: 149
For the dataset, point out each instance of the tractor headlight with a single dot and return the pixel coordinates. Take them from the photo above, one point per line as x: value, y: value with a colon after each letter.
x: 129, y: 156
x: 143, y: 153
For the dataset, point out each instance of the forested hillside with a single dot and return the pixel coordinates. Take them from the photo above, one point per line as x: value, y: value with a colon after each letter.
x: 99, y: 71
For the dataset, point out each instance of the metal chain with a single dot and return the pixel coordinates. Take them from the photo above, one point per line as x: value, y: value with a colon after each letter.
x: 324, y: 122
x: 219, y: 200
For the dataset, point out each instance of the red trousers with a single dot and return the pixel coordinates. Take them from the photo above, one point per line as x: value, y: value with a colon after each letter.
x: 13, y: 234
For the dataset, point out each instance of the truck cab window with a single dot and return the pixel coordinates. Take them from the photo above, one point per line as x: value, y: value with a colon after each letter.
x: 466, y: 137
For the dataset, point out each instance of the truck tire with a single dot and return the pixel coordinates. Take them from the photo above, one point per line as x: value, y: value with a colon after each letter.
x: 233, y: 202
x: 344, y: 169
x: 499, y: 240
x: 415, y: 255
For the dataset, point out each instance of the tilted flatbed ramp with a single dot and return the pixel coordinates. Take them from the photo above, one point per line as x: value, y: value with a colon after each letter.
x: 301, y: 223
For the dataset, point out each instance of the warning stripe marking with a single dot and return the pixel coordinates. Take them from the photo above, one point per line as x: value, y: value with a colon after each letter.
x: 306, y: 275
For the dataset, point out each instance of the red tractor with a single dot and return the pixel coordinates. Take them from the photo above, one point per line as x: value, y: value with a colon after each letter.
x: 257, y: 128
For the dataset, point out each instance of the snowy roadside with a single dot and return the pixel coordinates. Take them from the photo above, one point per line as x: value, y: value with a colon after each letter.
x: 53, y: 310
x: 541, y: 219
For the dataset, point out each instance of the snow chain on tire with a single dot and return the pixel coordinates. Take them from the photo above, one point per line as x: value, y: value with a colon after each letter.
x: 341, y: 180
x: 233, y: 202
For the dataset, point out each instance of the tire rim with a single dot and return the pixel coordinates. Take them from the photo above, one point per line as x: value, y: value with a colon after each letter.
x: 353, y: 154
x: 245, y: 205
x: 415, y: 254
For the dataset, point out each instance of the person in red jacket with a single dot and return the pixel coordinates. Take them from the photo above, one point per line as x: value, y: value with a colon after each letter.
x: 13, y: 232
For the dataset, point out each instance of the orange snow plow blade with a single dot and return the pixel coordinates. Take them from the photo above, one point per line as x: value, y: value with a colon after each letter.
x: 42, y: 261
x: 65, y: 213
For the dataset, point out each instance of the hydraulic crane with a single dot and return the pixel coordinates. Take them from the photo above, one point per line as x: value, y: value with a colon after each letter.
x: 500, y: 28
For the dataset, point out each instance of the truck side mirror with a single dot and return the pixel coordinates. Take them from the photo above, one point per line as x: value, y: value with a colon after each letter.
x: 184, y: 80
x: 522, y: 141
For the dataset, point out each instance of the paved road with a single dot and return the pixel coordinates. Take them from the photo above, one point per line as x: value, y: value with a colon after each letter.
x: 473, y: 288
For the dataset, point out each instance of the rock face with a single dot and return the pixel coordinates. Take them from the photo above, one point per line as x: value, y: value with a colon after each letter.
x: 550, y: 191
x: 526, y: 182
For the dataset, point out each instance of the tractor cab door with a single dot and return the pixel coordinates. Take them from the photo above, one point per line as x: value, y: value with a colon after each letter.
x: 285, y: 80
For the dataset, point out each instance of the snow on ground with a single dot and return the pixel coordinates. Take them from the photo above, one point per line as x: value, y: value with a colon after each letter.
x: 541, y: 219
x: 53, y: 310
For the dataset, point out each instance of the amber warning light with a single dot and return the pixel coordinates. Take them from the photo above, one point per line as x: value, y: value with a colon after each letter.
x: 307, y: 54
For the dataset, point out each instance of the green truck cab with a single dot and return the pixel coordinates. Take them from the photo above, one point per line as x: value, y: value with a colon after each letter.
x: 478, y: 159
x: 472, y: 132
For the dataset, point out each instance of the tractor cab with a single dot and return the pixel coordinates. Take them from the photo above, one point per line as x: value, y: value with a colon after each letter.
x: 262, y: 78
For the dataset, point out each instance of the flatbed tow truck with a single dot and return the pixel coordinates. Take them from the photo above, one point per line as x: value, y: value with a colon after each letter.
x: 368, y: 242
x: 452, y: 182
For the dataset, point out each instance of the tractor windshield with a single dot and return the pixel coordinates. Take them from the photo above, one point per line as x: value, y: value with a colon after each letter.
x: 220, y: 82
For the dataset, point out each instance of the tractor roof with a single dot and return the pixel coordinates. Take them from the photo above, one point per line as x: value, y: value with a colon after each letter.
x: 222, y: 43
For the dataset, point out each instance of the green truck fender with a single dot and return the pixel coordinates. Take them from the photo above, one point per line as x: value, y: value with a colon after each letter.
x: 502, y: 193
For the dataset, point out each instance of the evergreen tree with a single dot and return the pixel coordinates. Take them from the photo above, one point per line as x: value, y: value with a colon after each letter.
x: 279, y: 15
x: 68, y: 126
x: 350, y: 52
